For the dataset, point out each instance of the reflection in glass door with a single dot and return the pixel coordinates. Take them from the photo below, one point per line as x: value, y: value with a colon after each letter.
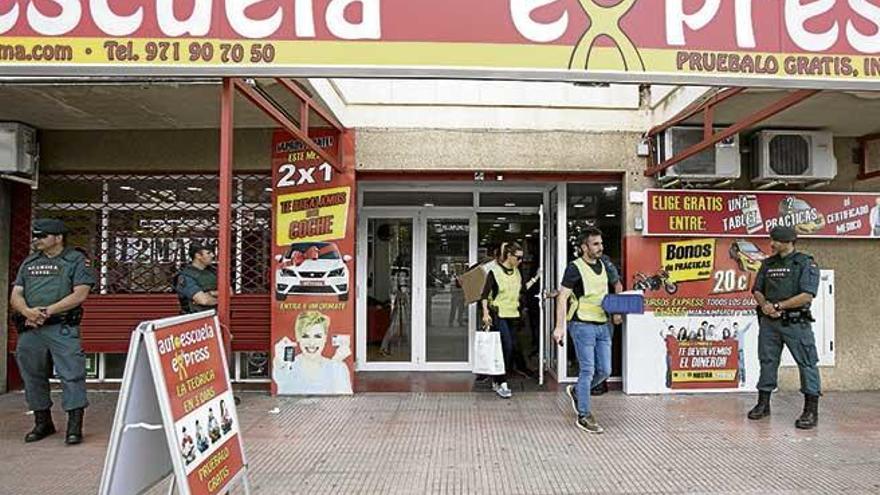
x: 389, y: 290
x: 446, y: 315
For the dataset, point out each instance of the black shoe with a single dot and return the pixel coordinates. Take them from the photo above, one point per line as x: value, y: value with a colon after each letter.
x: 236, y: 399
x: 572, y: 395
x: 810, y: 417
x: 762, y: 408
x: 43, y: 426
x: 589, y: 424
x: 600, y: 389
x: 74, y: 426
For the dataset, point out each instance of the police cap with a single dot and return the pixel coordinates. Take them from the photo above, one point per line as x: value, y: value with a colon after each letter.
x: 51, y: 226
x: 783, y: 234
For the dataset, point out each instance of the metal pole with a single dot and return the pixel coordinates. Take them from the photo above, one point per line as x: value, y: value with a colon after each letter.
x: 779, y: 106
x: 227, y: 101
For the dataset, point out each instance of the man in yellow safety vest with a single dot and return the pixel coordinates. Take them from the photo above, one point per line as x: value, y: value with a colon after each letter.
x: 586, y: 282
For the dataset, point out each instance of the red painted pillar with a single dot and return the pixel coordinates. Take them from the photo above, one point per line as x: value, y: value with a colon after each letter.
x: 224, y: 254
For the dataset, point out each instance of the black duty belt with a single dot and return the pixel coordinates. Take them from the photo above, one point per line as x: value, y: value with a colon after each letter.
x: 71, y: 317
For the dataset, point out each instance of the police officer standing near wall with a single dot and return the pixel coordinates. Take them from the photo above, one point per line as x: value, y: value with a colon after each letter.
x: 784, y: 288
x: 196, y: 287
x: 47, y: 296
x: 196, y: 284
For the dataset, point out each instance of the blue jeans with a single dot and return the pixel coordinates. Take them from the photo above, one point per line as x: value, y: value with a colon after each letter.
x: 592, y: 344
x: 506, y: 326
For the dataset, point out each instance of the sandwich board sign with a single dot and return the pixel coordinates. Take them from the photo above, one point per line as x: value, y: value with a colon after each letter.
x: 176, y: 413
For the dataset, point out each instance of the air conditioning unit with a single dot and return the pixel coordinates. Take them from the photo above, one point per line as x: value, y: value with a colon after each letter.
x: 18, y: 149
x: 792, y: 156
x: 721, y: 161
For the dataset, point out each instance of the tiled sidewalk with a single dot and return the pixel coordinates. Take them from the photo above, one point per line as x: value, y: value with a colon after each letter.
x: 376, y: 443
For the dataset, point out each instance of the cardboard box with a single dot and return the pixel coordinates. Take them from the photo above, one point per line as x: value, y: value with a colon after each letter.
x: 473, y: 281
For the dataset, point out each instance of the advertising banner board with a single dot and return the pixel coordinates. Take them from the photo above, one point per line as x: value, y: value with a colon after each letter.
x: 176, y: 413
x: 699, y: 331
x: 684, y: 213
x: 312, y: 269
x: 790, y: 43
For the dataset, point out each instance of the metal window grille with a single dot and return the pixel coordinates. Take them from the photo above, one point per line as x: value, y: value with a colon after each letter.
x: 137, y: 228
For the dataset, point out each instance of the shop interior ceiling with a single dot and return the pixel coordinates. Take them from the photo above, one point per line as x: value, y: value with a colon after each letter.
x: 96, y: 104
x: 105, y: 104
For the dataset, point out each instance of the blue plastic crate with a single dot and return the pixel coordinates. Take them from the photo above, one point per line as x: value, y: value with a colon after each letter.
x: 624, y: 304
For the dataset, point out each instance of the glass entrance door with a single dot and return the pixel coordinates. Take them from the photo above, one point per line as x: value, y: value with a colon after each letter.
x: 447, y: 256
x: 410, y: 301
x: 388, y: 268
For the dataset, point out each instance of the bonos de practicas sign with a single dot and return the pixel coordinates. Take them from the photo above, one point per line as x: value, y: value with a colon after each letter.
x: 816, y: 43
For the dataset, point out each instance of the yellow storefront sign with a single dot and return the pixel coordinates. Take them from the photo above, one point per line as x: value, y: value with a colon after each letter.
x: 688, y: 260
x: 317, y: 215
x: 651, y: 41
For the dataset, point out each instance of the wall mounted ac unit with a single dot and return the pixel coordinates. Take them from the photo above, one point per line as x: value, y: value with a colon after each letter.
x: 721, y: 161
x: 792, y: 156
x: 18, y: 149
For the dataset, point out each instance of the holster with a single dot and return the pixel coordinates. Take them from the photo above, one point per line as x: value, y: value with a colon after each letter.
x: 796, y: 316
x: 20, y: 322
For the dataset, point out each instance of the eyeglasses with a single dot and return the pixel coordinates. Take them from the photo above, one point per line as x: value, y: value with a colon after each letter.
x: 40, y: 235
x: 520, y: 258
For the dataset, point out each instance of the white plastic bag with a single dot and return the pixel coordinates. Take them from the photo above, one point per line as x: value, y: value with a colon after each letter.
x: 488, y: 355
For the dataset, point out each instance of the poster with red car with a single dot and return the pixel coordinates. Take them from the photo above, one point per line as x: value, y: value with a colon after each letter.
x: 312, y: 269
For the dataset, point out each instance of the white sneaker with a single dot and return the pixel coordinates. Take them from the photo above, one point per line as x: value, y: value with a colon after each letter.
x: 502, y: 390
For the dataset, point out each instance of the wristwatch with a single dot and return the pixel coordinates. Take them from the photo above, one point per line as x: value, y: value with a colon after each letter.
x: 776, y: 306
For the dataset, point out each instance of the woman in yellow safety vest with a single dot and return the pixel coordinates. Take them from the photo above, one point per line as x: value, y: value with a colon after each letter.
x: 501, y: 296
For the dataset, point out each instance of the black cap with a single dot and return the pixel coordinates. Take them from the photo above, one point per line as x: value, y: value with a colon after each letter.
x: 195, y: 248
x: 50, y: 226
x: 783, y: 234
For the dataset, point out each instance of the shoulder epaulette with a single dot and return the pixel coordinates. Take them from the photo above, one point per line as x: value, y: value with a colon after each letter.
x: 72, y: 255
x: 31, y: 257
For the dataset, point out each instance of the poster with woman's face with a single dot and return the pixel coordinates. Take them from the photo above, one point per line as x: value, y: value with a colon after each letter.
x: 312, y: 269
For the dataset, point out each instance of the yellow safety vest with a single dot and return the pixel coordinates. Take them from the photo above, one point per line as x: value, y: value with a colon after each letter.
x: 588, y: 307
x: 509, y: 286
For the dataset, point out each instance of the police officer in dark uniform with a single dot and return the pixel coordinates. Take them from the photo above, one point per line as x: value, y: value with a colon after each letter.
x: 196, y: 284
x: 196, y: 287
x: 784, y: 288
x: 47, y: 296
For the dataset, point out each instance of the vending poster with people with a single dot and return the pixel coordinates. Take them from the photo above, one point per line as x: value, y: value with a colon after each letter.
x: 312, y: 269
x: 699, y: 331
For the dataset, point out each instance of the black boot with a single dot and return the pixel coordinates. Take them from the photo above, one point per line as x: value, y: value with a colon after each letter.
x: 43, y: 426
x: 74, y: 426
x: 810, y: 417
x: 762, y: 409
